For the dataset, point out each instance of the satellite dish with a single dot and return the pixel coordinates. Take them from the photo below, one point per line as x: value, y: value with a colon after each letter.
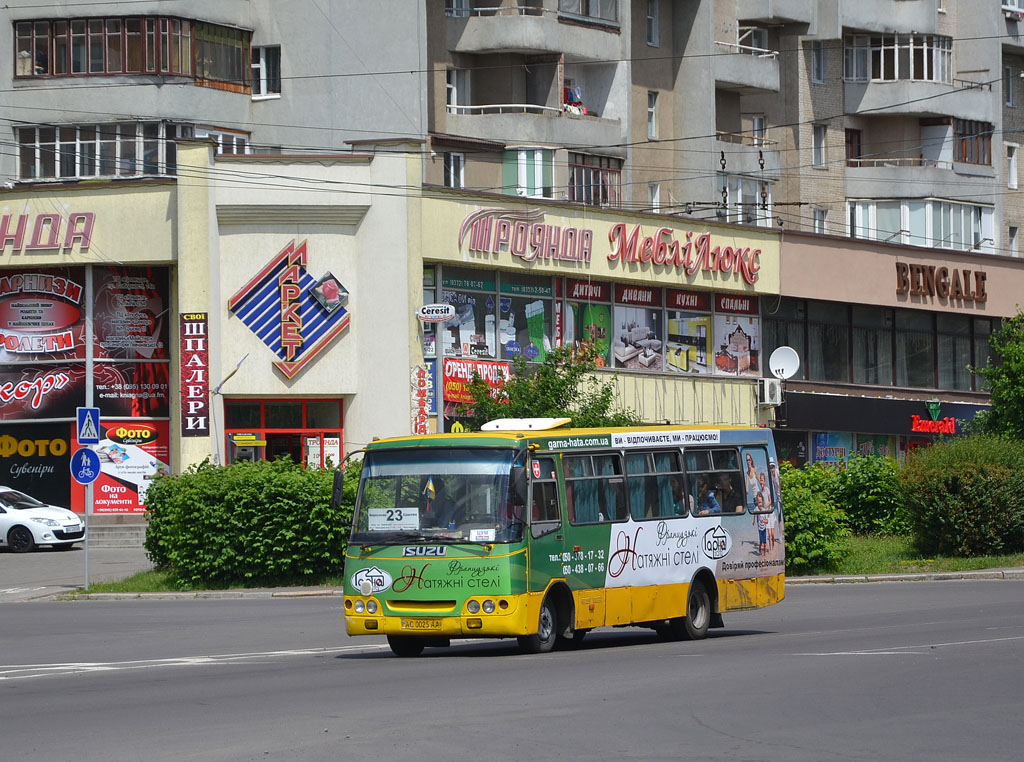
x: 784, y: 362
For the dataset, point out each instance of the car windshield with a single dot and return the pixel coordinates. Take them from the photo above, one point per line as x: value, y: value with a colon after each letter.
x: 441, y: 495
x: 11, y: 498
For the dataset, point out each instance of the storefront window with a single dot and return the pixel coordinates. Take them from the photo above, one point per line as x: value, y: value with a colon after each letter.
x: 471, y: 333
x: 304, y: 431
x: 915, y: 349
x: 524, y: 317
x: 737, y: 344
x: 872, y: 345
x: 982, y: 349
x: 954, y: 349
x: 638, y: 338
x: 588, y: 317
x: 784, y: 327
x: 429, y: 329
x: 828, y: 342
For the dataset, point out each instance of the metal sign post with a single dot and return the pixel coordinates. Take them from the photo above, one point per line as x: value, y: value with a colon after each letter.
x: 85, y: 469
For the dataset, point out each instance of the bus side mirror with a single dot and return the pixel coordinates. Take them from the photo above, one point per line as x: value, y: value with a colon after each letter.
x: 336, y: 489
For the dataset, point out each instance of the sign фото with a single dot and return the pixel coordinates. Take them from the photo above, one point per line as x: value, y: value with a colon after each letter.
x: 291, y: 312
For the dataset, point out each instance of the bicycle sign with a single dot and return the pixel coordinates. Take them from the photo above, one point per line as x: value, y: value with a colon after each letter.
x: 85, y: 466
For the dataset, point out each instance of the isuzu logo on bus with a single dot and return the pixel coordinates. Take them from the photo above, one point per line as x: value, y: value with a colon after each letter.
x: 378, y: 580
x: 425, y: 550
x: 716, y: 543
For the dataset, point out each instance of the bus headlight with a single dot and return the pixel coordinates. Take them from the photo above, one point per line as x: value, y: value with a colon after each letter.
x: 473, y: 606
x: 371, y: 607
x: 488, y: 607
x: 360, y: 607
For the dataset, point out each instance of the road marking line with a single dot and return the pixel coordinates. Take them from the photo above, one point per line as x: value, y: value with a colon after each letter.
x: 22, y: 671
x: 900, y: 650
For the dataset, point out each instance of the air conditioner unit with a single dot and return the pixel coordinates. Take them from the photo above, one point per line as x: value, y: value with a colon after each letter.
x: 769, y: 392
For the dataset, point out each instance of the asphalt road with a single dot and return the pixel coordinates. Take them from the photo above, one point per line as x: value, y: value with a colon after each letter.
x: 894, y: 671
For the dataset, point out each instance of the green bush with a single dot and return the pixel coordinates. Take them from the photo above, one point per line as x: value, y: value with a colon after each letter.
x: 965, y: 497
x: 250, y: 524
x: 868, y: 491
x: 815, y: 527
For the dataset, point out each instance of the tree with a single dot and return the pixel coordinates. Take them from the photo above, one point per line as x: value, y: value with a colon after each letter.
x: 563, y: 386
x: 1004, y: 376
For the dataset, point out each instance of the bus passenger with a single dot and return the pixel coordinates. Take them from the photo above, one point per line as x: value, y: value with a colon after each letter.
x: 731, y: 500
x: 706, y: 502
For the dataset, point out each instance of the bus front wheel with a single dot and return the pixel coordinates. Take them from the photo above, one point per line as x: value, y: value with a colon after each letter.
x: 403, y: 645
x: 698, y: 612
x: 544, y: 639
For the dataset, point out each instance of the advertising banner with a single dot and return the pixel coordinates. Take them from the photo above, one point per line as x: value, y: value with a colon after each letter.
x: 195, y: 375
x: 458, y: 374
x: 131, y: 453
x: 832, y: 448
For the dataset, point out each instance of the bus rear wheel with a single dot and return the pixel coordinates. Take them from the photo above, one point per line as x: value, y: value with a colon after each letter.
x: 698, y: 612
x: 545, y: 637
x: 405, y: 646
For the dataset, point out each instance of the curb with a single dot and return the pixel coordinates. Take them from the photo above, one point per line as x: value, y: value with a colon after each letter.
x: 921, y: 577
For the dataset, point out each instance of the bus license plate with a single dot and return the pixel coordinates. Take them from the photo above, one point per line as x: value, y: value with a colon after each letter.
x: 421, y: 624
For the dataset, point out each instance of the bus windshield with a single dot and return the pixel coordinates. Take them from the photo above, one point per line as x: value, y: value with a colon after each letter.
x: 435, y: 495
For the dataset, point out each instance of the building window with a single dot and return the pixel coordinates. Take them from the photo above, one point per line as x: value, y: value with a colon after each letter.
x: 1011, y: 240
x: 750, y: 200
x: 456, y: 8
x: 1008, y: 99
x: 595, y: 180
x: 1011, y: 165
x: 454, y: 169
x: 817, y: 61
x: 527, y: 172
x: 222, y: 54
x: 888, y: 58
x: 924, y: 222
x: 972, y: 141
x: 819, y: 219
x: 266, y: 71
x: 818, y: 156
x: 593, y: 10
x: 117, y: 150
x: 654, y: 196
x: 100, y: 46
x: 652, y: 22
x: 872, y: 345
x: 457, y: 91
x: 227, y: 142
x: 757, y: 129
x: 652, y: 114
x: 915, y: 349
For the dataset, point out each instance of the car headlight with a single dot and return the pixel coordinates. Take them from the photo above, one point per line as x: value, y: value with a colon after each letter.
x: 360, y: 607
x: 473, y: 606
x: 45, y: 521
x: 371, y: 607
x: 488, y: 607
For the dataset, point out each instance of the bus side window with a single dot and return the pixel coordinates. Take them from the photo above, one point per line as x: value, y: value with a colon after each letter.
x: 545, y: 514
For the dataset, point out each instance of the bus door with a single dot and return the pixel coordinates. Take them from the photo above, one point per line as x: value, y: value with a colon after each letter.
x: 547, y: 535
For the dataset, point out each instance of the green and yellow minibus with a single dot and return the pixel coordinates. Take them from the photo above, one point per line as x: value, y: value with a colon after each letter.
x: 531, y: 530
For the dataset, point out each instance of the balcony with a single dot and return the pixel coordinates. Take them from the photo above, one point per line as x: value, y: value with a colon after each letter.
x: 745, y: 70
x: 531, y: 29
x: 915, y: 177
x: 887, y: 16
x: 962, y: 99
x: 777, y: 11
x: 531, y: 124
x: 744, y: 153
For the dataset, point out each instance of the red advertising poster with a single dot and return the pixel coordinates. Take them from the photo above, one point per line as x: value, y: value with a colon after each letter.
x: 54, y: 391
x: 131, y: 453
x: 696, y: 301
x: 458, y: 374
x: 736, y: 305
x: 130, y: 313
x: 641, y: 296
x: 42, y: 315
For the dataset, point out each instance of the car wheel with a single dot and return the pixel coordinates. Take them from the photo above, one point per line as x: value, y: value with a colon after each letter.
x: 405, y: 646
x: 544, y: 640
x: 698, y: 612
x: 20, y: 540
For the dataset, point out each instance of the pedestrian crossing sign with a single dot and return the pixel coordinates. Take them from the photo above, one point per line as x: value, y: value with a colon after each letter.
x: 88, y: 425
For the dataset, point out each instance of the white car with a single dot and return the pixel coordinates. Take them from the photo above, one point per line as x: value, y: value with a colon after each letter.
x: 26, y: 523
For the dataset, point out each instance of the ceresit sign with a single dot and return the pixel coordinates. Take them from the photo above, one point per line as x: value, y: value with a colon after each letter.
x: 436, y: 313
